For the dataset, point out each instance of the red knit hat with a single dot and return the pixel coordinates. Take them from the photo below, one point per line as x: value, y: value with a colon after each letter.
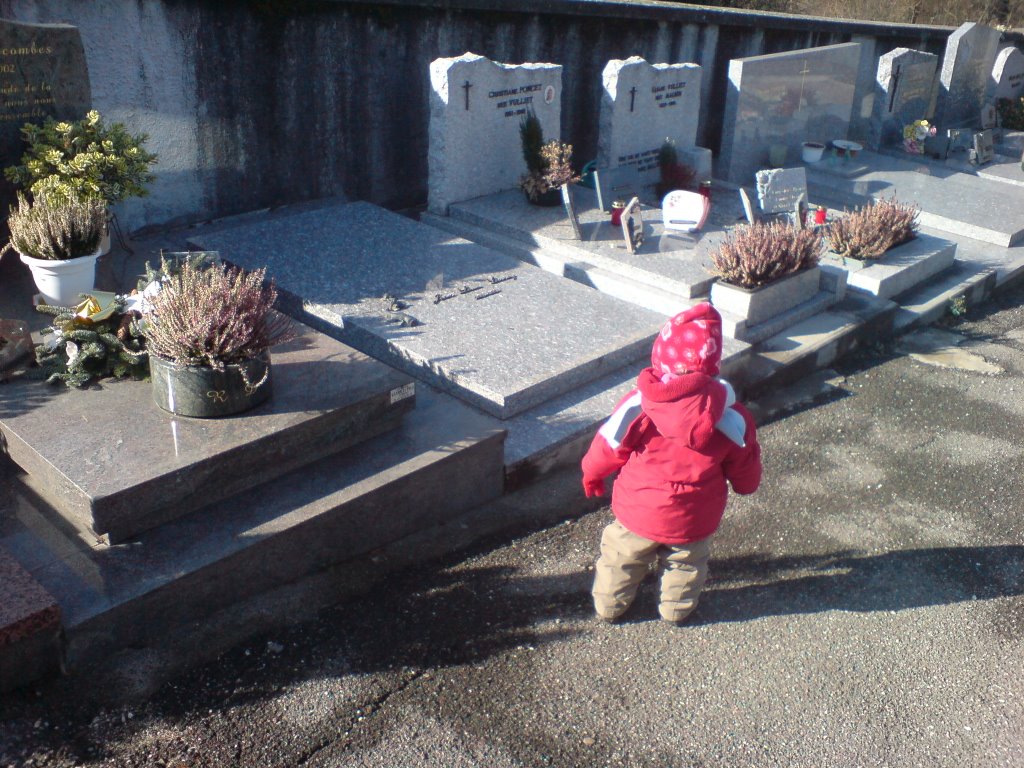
x: 690, y: 342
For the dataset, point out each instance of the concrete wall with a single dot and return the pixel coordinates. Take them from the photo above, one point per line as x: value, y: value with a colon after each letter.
x: 253, y: 103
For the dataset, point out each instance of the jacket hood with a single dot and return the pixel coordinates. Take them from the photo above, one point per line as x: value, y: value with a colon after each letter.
x: 685, y: 408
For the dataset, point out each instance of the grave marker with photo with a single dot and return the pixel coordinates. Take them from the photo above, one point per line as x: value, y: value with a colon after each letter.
x: 476, y: 106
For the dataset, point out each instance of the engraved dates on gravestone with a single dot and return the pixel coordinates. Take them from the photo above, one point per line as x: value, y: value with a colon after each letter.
x: 780, y: 190
x: 1008, y: 74
x: 476, y: 106
x: 42, y: 74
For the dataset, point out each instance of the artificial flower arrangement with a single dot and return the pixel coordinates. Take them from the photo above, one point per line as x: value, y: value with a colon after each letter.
x: 915, y: 134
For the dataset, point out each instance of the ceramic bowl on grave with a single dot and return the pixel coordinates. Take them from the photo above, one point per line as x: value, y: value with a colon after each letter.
x: 846, y: 148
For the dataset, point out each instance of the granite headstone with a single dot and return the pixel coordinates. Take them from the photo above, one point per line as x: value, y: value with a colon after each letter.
x: 964, y: 79
x: 476, y: 106
x: 905, y: 90
x: 784, y: 99
x: 43, y: 74
x: 642, y: 106
x: 1008, y: 74
x: 616, y: 184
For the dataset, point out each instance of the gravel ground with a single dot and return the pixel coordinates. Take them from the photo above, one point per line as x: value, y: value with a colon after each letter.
x: 866, y: 608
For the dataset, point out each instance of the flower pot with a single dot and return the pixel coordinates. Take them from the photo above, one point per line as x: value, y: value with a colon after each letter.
x: 61, y: 281
x: 812, y: 151
x: 548, y: 199
x: 203, y: 392
x: 756, y: 305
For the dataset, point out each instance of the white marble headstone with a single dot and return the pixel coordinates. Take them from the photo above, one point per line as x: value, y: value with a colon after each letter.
x: 1008, y: 74
x: 905, y: 90
x: 786, y: 99
x: 643, y: 105
x: 964, y: 80
x: 476, y: 106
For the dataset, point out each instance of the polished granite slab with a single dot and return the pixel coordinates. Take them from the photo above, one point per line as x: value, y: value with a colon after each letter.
x: 112, y: 462
x: 499, y: 334
x: 900, y: 269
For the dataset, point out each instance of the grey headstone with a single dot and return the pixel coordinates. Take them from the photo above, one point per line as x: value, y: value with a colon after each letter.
x: 937, y: 146
x: 786, y: 99
x: 643, y: 105
x: 780, y: 190
x: 621, y: 183
x: 966, y: 66
x: 905, y: 90
x: 989, y: 118
x: 476, y: 106
x: 960, y: 139
x: 1008, y: 74
x: 43, y: 74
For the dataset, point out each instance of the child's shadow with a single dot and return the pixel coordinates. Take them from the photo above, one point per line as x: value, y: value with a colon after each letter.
x: 755, y: 586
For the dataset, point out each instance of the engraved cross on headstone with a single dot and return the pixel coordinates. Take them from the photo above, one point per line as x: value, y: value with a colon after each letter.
x: 893, y: 82
x: 803, y: 79
x: 466, y: 86
x: 632, y: 97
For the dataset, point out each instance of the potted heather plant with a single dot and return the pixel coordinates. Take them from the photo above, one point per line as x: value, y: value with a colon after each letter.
x: 869, y: 232
x: 765, y: 268
x: 59, y: 240
x: 208, y: 335
x: 84, y: 159
x: 548, y: 165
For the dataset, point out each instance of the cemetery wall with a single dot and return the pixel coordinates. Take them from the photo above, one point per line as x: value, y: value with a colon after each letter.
x: 254, y: 103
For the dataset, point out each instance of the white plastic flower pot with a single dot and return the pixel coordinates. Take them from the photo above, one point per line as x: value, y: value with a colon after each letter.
x: 812, y: 151
x: 60, y: 282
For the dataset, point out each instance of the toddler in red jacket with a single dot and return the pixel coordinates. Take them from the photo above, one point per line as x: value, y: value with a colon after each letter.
x: 676, y: 440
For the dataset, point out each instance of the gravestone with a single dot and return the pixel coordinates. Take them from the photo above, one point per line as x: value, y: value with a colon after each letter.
x: 1008, y: 74
x: 781, y: 190
x: 964, y: 79
x: 643, y: 105
x: 905, y: 90
x: 785, y: 99
x: 982, y: 149
x: 476, y: 106
x: 43, y: 74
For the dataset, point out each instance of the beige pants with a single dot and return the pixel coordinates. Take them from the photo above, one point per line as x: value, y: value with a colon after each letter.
x: 627, y: 558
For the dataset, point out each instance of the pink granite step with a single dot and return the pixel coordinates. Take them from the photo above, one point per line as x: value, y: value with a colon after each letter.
x: 29, y: 626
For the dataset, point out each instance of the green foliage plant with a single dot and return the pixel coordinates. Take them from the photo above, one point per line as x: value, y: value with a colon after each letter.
x: 77, y: 350
x: 85, y: 158
x: 214, y: 316
x: 758, y: 254
x: 869, y: 232
x: 55, y: 229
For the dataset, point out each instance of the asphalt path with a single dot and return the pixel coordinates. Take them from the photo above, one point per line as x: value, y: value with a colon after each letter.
x: 866, y: 608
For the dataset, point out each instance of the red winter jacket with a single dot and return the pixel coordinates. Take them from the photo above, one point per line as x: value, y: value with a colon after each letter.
x: 674, y: 463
